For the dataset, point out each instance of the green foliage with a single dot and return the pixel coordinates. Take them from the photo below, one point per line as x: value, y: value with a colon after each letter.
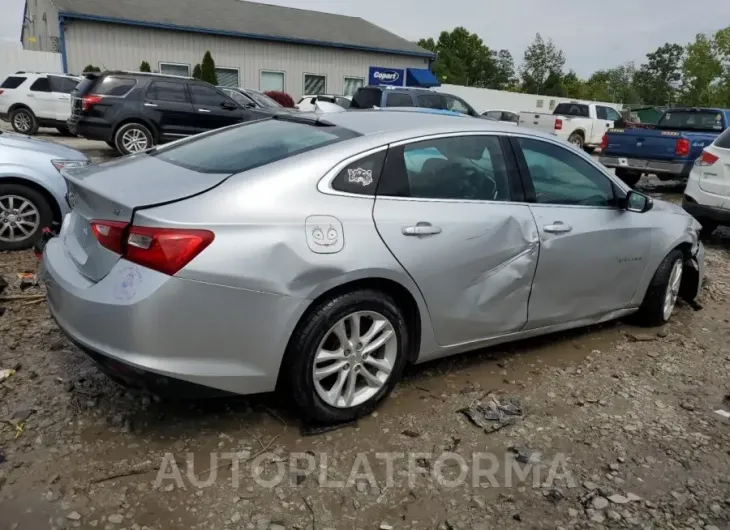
x: 543, y: 61
x: 145, y: 67
x: 657, y: 81
x: 91, y: 68
x: 207, y: 69
x: 701, y: 73
x: 196, y: 71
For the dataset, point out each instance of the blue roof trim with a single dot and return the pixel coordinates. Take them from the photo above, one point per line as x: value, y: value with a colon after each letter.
x: 159, y: 25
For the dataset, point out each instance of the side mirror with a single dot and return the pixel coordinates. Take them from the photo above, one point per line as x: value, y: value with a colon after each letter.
x: 638, y: 202
x: 228, y: 105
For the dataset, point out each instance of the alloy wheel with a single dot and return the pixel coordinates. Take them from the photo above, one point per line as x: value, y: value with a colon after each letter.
x: 355, y: 359
x: 134, y: 141
x: 22, y: 122
x: 670, y: 298
x: 19, y: 218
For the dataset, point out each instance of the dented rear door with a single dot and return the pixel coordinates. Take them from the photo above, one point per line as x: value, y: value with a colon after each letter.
x: 471, y: 251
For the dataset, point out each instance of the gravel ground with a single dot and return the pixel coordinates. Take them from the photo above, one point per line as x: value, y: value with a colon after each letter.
x: 616, y: 428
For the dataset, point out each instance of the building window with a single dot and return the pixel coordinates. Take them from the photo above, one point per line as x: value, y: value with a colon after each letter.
x: 314, y: 84
x: 175, y: 69
x: 352, y: 84
x: 271, y: 81
x: 227, y: 77
x: 552, y: 104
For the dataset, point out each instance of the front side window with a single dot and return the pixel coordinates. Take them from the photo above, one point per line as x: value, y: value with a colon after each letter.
x: 398, y: 99
x: 601, y: 112
x: 563, y: 177
x: 314, y: 84
x: 42, y: 84
x: 343, y: 102
x: 455, y: 168
x: 271, y: 81
x: 511, y: 117
x: 613, y: 114
x: 239, y: 98
x: 361, y: 177
x: 206, y: 96
x: 263, y: 100
x: 167, y: 91
x: 250, y: 145
x: 432, y: 101
x: 454, y: 104
x: 495, y: 115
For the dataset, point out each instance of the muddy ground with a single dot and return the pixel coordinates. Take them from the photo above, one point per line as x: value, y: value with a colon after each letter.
x: 617, y: 428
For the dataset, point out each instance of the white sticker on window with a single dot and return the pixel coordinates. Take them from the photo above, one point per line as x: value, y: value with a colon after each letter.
x: 360, y: 175
x: 324, y: 234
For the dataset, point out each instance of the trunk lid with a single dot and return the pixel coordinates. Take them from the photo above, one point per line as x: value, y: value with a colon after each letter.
x: 649, y: 144
x: 114, y: 191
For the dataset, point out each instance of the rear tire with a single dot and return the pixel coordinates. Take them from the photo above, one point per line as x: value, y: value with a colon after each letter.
x: 22, y: 209
x: 133, y: 138
x: 663, y: 291
x: 24, y: 121
x: 630, y: 177
x: 320, y: 399
x: 577, y: 140
x: 589, y: 150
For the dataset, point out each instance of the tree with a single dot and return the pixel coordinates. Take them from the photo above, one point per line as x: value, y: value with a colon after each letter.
x: 722, y: 49
x: 504, y: 77
x: 207, y: 69
x: 701, y: 72
x: 91, y: 68
x: 145, y: 67
x: 615, y: 85
x: 573, y: 86
x: 657, y: 80
x: 196, y: 71
x: 541, y: 59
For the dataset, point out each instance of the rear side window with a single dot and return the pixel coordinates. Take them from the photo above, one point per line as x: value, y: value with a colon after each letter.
x: 64, y: 85
x: 13, y: 81
x: 366, y: 98
x: 723, y: 141
x: 167, y: 91
x: 113, y: 86
x: 361, y: 177
x: 254, y: 144
x: 42, y: 84
x: 572, y: 109
x: 690, y: 120
x: 398, y: 99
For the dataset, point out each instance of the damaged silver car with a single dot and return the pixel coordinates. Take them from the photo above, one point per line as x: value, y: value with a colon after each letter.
x: 325, y: 253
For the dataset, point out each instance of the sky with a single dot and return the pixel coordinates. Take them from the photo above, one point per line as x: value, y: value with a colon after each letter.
x: 594, y: 34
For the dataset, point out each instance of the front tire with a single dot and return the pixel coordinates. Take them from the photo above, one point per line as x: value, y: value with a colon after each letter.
x: 24, y: 213
x: 347, y: 355
x: 631, y: 178
x: 24, y: 121
x: 663, y: 291
x: 133, y: 138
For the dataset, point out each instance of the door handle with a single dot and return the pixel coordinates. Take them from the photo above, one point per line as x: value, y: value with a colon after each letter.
x: 421, y: 229
x: 150, y: 105
x: 63, y: 97
x: 203, y: 110
x: 31, y: 95
x: 558, y: 227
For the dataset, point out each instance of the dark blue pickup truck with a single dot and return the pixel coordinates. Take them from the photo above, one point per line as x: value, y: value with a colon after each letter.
x: 667, y: 150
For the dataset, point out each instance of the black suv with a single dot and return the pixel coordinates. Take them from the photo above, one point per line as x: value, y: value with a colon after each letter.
x: 133, y: 111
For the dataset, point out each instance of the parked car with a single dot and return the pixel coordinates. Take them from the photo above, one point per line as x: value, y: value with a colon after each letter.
x: 250, y: 98
x: 504, y: 116
x: 309, y: 103
x: 133, y: 111
x: 668, y: 150
x: 389, y: 96
x: 32, y: 100
x: 32, y: 191
x: 327, y: 252
x: 581, y: 124
x: 707, y: 196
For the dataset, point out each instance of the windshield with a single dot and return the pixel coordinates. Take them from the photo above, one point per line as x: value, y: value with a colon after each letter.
x: 691, y: 120
x: 263, y: 99
x: 250, y: 145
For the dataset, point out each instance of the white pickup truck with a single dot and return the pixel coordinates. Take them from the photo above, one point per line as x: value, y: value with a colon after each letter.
x: 581, y: 124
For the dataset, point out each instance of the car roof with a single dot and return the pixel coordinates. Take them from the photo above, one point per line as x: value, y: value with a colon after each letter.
x: 411, y: 122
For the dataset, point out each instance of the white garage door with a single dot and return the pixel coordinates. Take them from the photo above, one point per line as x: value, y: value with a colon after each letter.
x: 227, y: 77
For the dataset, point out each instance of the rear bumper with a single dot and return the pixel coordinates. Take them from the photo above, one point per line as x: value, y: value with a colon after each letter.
x: 701, y: 211
x: 91, y: 129
x: 224, y: 338
x: 657, y: 167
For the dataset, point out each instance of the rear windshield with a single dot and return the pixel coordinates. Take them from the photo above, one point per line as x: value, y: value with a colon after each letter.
x: 13, y: 81
x: 114, y: 86
x: 572, y: 109
x: 691, y: 120
x: 251, y: 145
x: 723, y: 140
x: 366, y: 98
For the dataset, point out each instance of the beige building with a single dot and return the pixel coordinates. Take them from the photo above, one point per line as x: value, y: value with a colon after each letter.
x: 254, y: 45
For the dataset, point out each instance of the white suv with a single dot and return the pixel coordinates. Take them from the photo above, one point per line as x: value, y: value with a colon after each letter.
x: 32, y: 100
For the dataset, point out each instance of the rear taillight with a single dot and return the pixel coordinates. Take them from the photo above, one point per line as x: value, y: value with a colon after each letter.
x: 166, y: 250
x: 89, y: 101
x: 707, y: 159
x: 1, y: 92
x: 558, y: 124
x: 682, y: 147
x: 604, y: 142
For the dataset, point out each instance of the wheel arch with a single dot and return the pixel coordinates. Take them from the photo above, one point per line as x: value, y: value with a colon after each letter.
x: 579, y: 132
x: 45, y: 192
x: 16, y: 106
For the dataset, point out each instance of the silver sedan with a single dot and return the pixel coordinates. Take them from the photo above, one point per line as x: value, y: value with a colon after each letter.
x: 325, y: 253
